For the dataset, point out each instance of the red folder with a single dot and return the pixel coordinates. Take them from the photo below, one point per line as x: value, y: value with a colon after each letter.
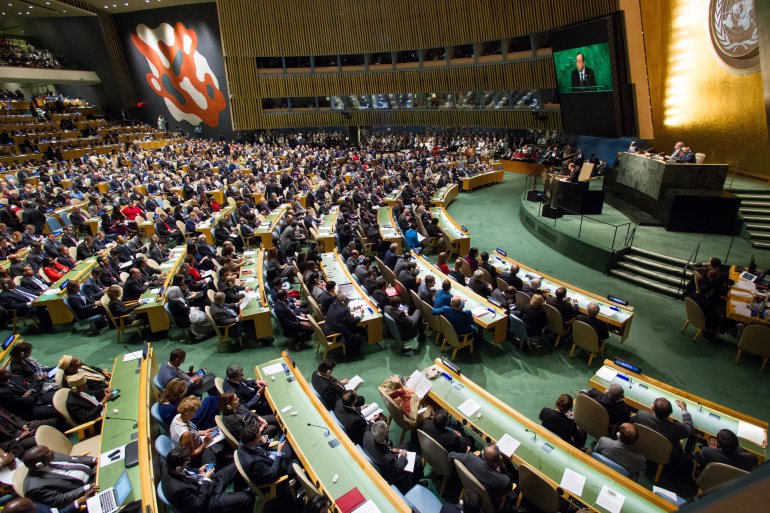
x: 350, y: 501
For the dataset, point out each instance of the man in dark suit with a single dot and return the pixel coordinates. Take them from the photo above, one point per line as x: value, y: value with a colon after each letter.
x: 32, y: 283
x: 489, y: 469
x: 592, y: 310
x: 83, y: 306
x: 86, y: 248
x: 135, y: 285
x: 12, y: 298
x: 340, y: 320
x: 226, y: 314
x: 31, y: 215
x: 203, y: 492
x: 408, y: 277
x: 51, y: 246
x: 260, y: 465
x: 55, y: 479
x: 450, y: 439
x: 348, y: 412
x: 560, y: 422
x: 294, y: 327
x: 391, y: 462
x: 82, y: 406
x: 328, y: 387
x: 380, y: 295
x: 487, y: 266
x: 19, y: 398
x: 560, y: 301
x: 391, y: 256
x: 68, y: 238
x: 725, y: 449
x: 658, y: 420
x: 456, y: 273
x: 612, y: 401
x: 327, y: 296
x: 251, y: 392
x: 582, y: 76
x: 511, y: 277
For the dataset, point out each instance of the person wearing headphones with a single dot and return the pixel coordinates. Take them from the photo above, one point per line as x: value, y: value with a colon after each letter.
x: 81, y: 405
x: 57, y: 480
x: 621, y: 451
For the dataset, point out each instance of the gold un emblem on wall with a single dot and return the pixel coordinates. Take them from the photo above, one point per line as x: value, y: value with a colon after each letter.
x: 734, y: 34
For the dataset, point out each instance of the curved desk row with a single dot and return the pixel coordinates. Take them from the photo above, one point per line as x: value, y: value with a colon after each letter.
x: 258, y: 308
x: 480, y: 180
x: 331, y: 460
x: 327, y: 229
x: 153, y: 299
x: 388, y: 227
x: 458, y: 238
x: 445, y: 195
x: 617, y: 316
x: 707, y: 417
x: 540, y: 449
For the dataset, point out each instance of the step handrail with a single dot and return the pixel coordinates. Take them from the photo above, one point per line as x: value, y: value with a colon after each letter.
x: 690, y: 261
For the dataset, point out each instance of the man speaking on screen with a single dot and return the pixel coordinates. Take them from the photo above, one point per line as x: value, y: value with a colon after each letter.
x: 582, y: 75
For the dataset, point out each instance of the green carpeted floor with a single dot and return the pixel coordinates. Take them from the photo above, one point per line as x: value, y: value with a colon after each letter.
x: 526, y: 381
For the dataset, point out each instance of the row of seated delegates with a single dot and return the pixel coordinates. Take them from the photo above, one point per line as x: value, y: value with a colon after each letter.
x: 26, y: 393
x: 618, y: 447
x: 27, y: 55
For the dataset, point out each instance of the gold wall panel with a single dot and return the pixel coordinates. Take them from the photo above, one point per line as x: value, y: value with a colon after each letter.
x: 694, y: 98
x: 274, y: 28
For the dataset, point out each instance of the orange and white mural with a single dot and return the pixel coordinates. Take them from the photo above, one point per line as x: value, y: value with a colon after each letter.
x: 179, y: 73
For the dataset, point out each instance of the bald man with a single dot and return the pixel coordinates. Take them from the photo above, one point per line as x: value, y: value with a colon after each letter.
x: 55, y: 479
x: 460, y: 319
x: 489, y: 468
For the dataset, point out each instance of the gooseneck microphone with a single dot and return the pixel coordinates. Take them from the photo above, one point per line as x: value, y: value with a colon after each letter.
x: 110, y: 417
x: 326, y: 429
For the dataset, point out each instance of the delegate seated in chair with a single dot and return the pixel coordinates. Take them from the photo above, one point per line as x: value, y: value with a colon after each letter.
x: 489, y: 469
x: 83, y: 307
x: 82, y: 406
x: 24, y: 505
x: 658, y: 420
x: 263, y: 466
x: 328, y: 387
x: 55, y: 479
x: 294, y: 327
x: 205, y: 492
x: 452, y: 439
x: 390, y: 461
x: 621, y: 451
x: 725, y: 448
x: 560, y: 422
x: 460, y: 319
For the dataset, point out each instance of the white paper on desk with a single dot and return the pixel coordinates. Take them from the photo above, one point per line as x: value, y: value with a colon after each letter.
x: 136, y: 355
x: 272, y: 369
x: 249, y: 253
x: 155, y: 291
x: 286, y: 408
x: 752, y: 433
x: 744, y: 285
x: 6, y: 474
x: 411, y: 459
x: 508, y: 445
x: 573, y: 482
x: 245, y: 302
x: 252, y: 295
x: 354, y: 382
x: 741, y: 308
x: 607, y: 374
x: 469, y: 407
x: 665, y: 493
x: 105, y: 460
x: 610, y: 499
x: 367, y: 507
x: 419, y: 384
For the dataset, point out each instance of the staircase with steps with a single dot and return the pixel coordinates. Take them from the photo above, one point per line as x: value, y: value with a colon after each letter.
x: 755, y: 210
x: 651, y: 270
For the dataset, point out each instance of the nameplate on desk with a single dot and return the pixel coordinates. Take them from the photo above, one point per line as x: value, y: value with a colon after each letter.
x: 500, y: 251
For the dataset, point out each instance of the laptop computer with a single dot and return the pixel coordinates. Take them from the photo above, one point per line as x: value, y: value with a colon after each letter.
x: 112, y: 498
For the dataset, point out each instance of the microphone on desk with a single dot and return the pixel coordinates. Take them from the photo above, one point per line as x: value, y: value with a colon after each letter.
x: 326, y: 429
x: 110, y: 417
x: 534, y: 435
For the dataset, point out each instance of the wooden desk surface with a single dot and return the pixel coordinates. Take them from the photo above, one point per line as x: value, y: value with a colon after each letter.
x: 295, y: 406
x: 540, y: 449
x: 707, y: 417
x: 445, y: 195
x: 612, y: 313
x: 451, y: 229
x: 388, y: 227
x: 326, y: 230
x: 738, y: 298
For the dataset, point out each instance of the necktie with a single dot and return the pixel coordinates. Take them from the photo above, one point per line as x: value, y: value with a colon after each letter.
x: 28, y: 297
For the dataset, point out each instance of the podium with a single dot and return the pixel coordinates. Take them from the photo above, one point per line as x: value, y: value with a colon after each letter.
x: 576, y: 198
